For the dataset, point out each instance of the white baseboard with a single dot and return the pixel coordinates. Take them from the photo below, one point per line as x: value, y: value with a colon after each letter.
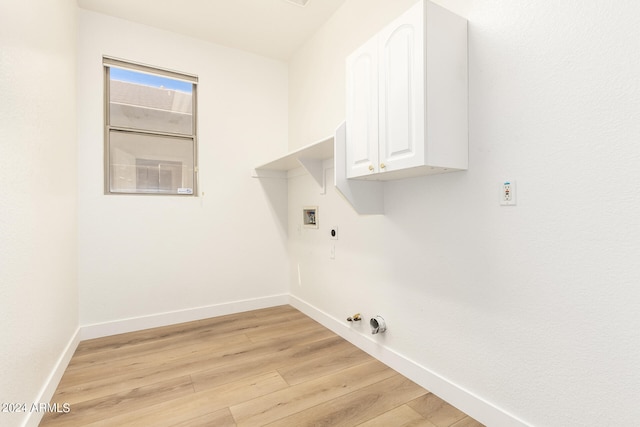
x: 51, y: 384
x: 122, y: 326
x: 462, y: 399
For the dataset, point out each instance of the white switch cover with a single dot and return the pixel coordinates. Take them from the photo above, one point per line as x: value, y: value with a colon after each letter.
x: 508, y: 193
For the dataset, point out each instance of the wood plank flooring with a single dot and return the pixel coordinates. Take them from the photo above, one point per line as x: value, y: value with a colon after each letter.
x: 274, y: 367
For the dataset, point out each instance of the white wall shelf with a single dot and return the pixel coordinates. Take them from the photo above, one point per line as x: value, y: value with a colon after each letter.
x: 366, y: 197
x: 310, y: 157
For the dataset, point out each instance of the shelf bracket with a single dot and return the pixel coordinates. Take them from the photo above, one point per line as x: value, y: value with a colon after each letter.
x: 315, y: 169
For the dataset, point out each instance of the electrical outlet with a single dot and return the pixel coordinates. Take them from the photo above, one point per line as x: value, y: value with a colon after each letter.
x: 333, y: 233
x: 508, y: 193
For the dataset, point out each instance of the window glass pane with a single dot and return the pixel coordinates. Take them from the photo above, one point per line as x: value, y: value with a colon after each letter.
x: 150, y: 164
x: 150, y: 102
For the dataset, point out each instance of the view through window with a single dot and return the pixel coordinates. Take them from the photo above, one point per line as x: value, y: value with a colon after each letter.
x: 150, y: 130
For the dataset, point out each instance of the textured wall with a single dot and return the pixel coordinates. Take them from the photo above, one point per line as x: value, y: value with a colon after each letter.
x: 317, y: 70
x: 533, y: 308
x: 38, y: 238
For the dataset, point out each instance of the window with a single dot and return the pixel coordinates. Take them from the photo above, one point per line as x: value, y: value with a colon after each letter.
x: 150, y: 130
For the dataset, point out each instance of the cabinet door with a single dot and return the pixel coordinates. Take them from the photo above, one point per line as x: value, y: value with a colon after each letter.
x: 362, y: 111
x: 402, y: 92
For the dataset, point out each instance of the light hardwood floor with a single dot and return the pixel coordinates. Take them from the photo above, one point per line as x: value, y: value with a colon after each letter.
x: 273, y: 367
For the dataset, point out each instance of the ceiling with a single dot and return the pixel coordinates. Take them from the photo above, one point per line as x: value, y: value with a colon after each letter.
x: 271, y: 28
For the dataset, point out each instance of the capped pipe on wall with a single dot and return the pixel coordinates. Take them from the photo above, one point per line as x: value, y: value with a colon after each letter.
x: 378, y: 325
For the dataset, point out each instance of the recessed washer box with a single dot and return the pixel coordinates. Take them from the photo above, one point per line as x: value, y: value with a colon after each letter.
x: 310, y: 216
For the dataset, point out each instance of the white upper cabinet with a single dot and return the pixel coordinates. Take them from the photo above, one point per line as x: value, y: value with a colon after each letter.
x: 401, y: 89
x: 407, y: 97
x: 362, y: 114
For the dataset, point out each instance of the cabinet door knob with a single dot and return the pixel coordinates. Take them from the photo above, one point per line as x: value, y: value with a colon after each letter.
x: 382, y: 166
x: 371, y: 168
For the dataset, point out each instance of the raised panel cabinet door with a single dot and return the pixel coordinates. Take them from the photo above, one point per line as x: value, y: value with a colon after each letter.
x: 402, y: 92
x: 362, y: 111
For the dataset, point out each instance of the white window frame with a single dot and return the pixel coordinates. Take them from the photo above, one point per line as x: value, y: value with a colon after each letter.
x: 107, y: 63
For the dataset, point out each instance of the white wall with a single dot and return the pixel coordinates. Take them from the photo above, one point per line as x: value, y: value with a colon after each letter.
x: 38, y: 237
x: 534, y: 309
x: 316, y: 71
x: 144, y: 255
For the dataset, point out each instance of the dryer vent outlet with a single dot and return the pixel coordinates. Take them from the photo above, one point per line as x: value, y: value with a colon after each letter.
x: 378, y: 325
